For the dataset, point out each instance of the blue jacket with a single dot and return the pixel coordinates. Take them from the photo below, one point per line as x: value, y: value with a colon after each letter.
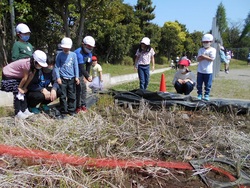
x: 84, y: 62
x: 42, y: 80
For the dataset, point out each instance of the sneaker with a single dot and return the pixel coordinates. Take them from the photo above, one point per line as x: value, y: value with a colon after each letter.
x: 226, y: 71
x: 21, y: 115
x: 199, y: 97
x: 84, y: 109
x: 28, y: 113
x: 79, y: 109
x: 35, y: 110
x: 206, y: 97
x: 44, y: 107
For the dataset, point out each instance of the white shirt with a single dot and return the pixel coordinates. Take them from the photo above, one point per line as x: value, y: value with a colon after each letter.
x: 206, y: 66
x: 144, y: 58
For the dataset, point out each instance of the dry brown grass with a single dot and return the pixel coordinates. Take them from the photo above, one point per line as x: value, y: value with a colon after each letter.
x: 124, y: 133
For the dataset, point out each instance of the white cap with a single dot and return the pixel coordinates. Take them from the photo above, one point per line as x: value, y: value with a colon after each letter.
x: 22, y: 28
x: 40, y: 57
x: 146, y: 41
x: 89, y: 41
x: 66, y: 42
x: 207, y: 37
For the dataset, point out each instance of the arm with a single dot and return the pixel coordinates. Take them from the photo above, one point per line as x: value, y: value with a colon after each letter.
x: 153, y: 62
x: 136, y: 62
x: 100, y: 75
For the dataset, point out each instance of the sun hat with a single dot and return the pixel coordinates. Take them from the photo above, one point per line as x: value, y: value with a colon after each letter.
x: 207, y: 37
x: 66, y: 42
x: 89, y: 41
x: 40, y: 57
x: 184, y: 62
x: 94, y: 58
x: 22, y: 28
x: 145, y: 40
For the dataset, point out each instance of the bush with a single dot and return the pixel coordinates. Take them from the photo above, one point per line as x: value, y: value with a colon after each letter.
x: 127, y: 61
x: 161, y: 60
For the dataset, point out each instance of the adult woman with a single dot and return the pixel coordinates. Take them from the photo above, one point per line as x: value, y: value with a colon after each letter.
x: 16, y: 77
x: 144, y: 56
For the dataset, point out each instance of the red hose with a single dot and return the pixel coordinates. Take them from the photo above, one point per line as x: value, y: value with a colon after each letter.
x: 100, y: 163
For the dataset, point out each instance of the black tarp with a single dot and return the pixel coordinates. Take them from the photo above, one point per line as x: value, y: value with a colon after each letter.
x: 166, y: 99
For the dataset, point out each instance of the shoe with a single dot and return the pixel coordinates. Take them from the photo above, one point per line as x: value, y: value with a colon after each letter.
x: 199, y: 97
x: 79, y: 109
x: 44, y: 107
x: 206, y: 97
x: 84, y: 109
x: 21, y: 115
x: 72, y: 113
x: 227, y: 72
x: 28, y: 113
x: 35, y: 110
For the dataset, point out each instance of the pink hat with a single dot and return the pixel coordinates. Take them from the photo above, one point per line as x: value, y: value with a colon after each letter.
x: 184, y: 62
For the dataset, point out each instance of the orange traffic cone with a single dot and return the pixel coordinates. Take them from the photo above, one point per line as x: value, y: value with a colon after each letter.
x: 163, y: 84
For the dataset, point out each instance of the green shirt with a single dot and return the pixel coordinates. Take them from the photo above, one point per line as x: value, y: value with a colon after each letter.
x: 21, y: 50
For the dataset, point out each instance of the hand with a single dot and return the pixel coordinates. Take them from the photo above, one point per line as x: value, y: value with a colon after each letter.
x: 59, y: 81
x: 77, y: 81
x: 53, y: 95
x: 153, y: 68
x: 46, y: 94
x: 22, y: 90
x: 90, y: 79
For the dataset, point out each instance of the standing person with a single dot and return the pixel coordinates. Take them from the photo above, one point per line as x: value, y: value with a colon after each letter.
x: 248, y: 59
x: 184, y: 80
x: 144, y: 56
x: 228, y: 58
x: 84, y: 57
x: 67, y: 75
x: 223, y: 59
x: 97, y: 81
x: 22, y: 48
x: 43, y: 88
x: 206, y: 56
x: 17, y: 75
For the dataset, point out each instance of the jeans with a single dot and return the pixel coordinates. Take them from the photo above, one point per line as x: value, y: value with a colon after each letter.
x: 143, y: 73
x: 183, y: 88
x: 207, y: 79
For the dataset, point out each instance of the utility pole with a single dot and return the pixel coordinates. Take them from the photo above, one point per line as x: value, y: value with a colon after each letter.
x: 12, y: 20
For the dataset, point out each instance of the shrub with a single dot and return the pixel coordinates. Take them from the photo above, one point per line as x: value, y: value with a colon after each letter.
x: 127, y: 61
x: 161, y: 60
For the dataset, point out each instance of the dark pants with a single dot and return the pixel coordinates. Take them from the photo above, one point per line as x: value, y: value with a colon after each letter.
x: 68, y: 96
x: 185, y: 89
x: 81, y: 93
x: 207, y: 79
x: 143, y: 73
x: 36, y: 97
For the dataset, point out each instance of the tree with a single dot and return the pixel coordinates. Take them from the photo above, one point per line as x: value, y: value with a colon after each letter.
x: 144, y: 11
x: 172, y: 38
x: 221, y: 18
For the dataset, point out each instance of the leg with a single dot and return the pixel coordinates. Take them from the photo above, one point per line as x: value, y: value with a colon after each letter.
x: 63, y: 98
x: 199, y: 83
x: 71, y: 95
x: 188, y: 88
x: 34, y: 98
x: 208, y: 79
x: 141, y: 77
x: 178, y: 87
x: 147, y: 76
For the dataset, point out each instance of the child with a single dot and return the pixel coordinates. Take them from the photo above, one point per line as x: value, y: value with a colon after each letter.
x: 144, y: 56
x: 67, y: 75
x: 16, y: 77
x: 22, y: 48
x: 184, y: 79
x: 43, y: 89
x: 84, y: 55
x: 206, y: 56
x: 97, y: 81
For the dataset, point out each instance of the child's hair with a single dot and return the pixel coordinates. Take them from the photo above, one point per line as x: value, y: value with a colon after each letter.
x: 51, y: 60
x: 147, y: 49
x: 32, y: 64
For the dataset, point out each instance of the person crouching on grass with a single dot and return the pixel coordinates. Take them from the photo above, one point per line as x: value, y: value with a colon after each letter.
x: 184, y: 80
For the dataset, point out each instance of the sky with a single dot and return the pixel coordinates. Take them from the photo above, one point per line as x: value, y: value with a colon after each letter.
x: 198, y: 15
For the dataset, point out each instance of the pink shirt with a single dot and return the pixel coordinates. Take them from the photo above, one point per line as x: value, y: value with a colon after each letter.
x: 16, y: 68
x: 144, y: 57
